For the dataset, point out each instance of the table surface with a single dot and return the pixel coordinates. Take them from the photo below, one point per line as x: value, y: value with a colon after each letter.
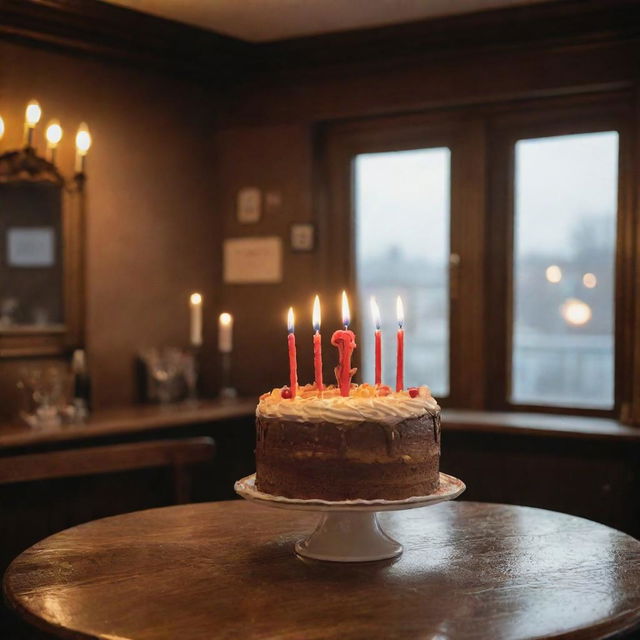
x: 227, y: 570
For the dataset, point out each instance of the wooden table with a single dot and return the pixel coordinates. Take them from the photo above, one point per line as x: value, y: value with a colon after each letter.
x: 226, y: 570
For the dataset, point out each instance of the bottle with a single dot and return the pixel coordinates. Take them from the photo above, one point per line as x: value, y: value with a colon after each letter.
x: 81, y: 384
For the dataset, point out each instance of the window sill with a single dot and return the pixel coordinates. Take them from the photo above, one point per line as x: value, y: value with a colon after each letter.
x: 536, y: 424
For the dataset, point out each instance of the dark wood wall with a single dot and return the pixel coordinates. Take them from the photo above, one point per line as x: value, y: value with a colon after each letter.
x: 270, y: 132
x: 152, y: 222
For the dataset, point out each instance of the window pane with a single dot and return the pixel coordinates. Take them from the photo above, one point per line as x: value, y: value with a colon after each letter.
x: 564, y: 254
x: 402, y: 248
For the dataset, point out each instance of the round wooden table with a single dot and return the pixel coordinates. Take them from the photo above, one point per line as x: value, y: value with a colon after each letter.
x: 226, y: 570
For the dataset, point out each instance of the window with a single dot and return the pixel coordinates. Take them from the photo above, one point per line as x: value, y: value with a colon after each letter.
x: 402, y: 248
x: 509, y: 232
x: 565, y: 208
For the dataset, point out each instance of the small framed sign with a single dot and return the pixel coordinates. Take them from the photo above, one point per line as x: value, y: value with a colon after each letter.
x: 253, y: 260
x: 302, y: 236
x: 31, y: 247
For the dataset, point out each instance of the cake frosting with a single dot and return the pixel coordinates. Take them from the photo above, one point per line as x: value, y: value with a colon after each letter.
x: 363, y: 404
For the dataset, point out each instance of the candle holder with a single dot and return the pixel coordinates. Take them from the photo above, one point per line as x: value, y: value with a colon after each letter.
x: 190, y: 372
x: 227, y: 391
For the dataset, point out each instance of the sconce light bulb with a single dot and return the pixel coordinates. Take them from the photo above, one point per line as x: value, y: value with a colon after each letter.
x: 83, y: 139
x: 53, y: 133
x: 32, y: 113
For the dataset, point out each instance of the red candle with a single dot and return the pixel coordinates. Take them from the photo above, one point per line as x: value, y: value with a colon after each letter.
x: 400, y: 349
x: 317, y: 345
x: 345, y: 340
x: 293, y: 364
x: 378, y: 340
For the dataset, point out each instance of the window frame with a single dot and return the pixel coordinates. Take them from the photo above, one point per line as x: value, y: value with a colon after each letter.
x: 482, y: 138
x: 340, y: 144
x: 555, y: 118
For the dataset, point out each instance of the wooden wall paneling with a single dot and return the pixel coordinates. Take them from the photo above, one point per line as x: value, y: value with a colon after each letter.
x: 594, y: 480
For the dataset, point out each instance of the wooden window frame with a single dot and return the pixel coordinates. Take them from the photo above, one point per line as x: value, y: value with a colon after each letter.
x: 340, y: 143
x: 481, y: 139
x: 610, y: 112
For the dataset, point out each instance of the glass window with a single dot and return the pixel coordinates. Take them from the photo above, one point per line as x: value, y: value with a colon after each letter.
x: 402, y: 248
x: 565, y: 202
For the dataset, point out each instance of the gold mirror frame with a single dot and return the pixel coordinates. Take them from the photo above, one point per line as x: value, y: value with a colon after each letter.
x: 26, y: 167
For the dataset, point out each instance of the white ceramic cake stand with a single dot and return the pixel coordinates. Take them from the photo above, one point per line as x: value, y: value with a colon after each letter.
x: 349, y: 530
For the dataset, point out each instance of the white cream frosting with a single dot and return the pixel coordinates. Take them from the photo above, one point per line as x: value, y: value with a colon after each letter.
x: 389, y: 409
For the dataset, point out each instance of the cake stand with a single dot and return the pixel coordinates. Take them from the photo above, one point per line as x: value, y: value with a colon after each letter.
x: 349, y: 530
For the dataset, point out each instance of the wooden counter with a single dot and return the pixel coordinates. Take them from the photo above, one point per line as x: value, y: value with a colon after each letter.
x: 538, y: 424
x: 141, y: 418
x: 127, y: 420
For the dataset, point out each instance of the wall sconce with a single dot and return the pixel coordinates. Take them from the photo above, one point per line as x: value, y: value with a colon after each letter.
x: 53, y: 135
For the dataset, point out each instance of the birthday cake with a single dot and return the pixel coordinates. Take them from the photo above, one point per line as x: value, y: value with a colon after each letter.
x: 349, y: 441
x: 371, y: 444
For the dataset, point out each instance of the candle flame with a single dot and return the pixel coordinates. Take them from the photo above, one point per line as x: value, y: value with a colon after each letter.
x: 32, y: 113
x: 346, y: 316
x: 226, y: 319
x: 83, y: 139
x: 53, y: 133
x: 316, y: 314
x: 195, y: 298
x: 400, y: 311
x: 290, y: 319
x: 375, y: 312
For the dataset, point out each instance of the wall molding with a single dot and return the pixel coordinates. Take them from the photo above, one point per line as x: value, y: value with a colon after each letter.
x: 98, y: 29
x: 108, y: 32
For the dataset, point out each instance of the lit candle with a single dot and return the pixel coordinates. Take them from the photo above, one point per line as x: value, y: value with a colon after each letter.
x: 400, y: 351
x: 375, y: 311
x: 345, y: 341
x: 53, y: 134
x: 225, y: 333
x: 83, y: 144
x: 317, y: 345
x: 293, y: 363
x: 32, y: 115
x: 195, y: 302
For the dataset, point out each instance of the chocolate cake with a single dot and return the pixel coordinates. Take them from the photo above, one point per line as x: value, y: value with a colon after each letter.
x: 371, y: 444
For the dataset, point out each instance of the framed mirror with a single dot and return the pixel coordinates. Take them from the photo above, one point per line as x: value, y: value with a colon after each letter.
x: 41, y: 257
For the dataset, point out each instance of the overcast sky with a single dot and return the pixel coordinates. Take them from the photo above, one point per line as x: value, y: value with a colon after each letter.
x: 402, y: 198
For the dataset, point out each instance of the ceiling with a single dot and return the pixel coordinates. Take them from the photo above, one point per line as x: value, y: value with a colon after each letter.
x: 269, y: 20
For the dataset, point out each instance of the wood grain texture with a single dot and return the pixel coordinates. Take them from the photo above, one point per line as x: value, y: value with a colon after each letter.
x: 227, y: 570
